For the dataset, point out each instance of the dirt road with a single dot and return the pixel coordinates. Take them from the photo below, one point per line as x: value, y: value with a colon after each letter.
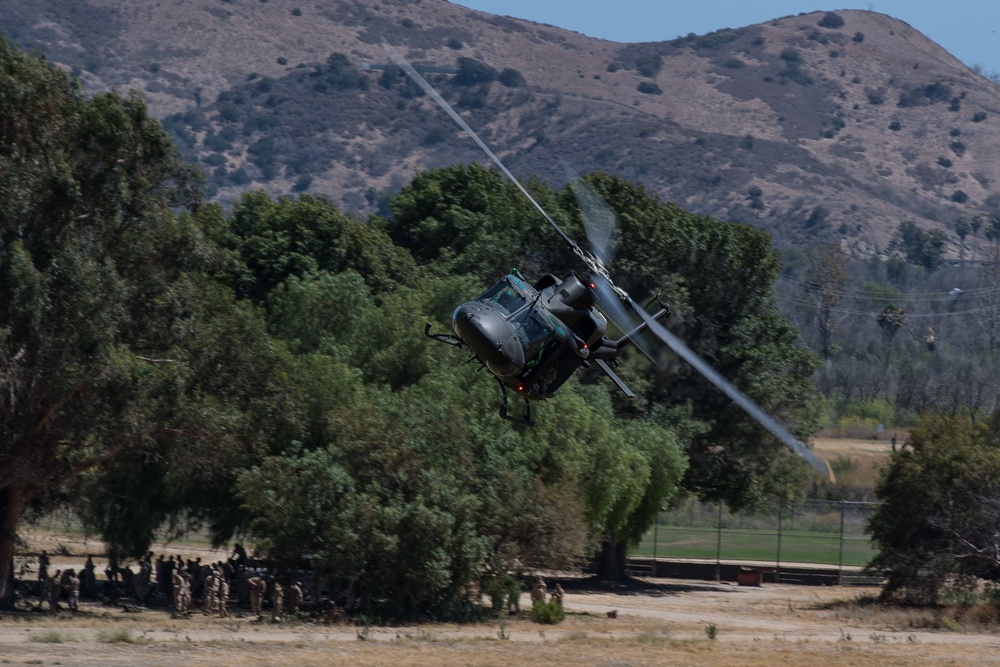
x: 657, y: 623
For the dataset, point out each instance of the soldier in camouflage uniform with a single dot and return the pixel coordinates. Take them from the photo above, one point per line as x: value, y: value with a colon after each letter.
x: 258, y: 587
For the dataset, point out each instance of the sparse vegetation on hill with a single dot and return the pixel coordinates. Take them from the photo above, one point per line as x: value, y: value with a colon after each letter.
x: 847, y: 106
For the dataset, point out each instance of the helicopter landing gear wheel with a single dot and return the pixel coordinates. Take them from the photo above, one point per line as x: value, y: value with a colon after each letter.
x: 526, y: 419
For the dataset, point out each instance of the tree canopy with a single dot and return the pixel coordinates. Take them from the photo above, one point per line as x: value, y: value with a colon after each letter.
x: 116, y: 343
x: 936, y: 528
x: 263, y: 372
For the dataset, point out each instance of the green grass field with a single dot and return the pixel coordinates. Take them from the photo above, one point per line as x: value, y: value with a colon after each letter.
x: 756, y: 545
x: 810, y: 532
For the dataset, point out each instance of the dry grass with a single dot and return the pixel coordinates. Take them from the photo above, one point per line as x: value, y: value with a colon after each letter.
x: 776, y: 626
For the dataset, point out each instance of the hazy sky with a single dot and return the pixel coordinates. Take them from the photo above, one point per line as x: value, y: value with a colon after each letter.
x: 968, y: 29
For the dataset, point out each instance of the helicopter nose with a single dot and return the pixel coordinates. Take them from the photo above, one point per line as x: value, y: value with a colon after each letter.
x: 491, y: 338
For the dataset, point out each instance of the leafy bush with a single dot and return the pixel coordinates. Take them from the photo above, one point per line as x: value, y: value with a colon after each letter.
x: 858, y: 37
x: 391, y: 76
x: 959, y: 197
x: 791, y: 56
x: 895, y: 126
x: 472, y: 72
x: 935, y: 527
x: 649, y: 64
x: 549, y: 613
x: 944, y: 162
x: 511, y: 78
x: 979, y: 117
x: 831, y: 20
x: 958, y: 148
x: 649, y: 88
x: 303, y: 183
x: 454, y: 44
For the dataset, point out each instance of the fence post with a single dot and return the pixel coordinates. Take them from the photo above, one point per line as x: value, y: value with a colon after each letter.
x: 656, y: 526
x: 840, y: 561
x: 777, y: 562
x: 718, y: 547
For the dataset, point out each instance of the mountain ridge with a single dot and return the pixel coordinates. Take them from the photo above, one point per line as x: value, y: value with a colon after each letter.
x: 826, y: 126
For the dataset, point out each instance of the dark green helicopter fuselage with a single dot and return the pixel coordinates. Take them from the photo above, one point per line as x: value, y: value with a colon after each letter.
x: 532, y: 338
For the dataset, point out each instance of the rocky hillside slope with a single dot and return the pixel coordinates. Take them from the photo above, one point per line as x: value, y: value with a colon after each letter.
x: 828, y: 125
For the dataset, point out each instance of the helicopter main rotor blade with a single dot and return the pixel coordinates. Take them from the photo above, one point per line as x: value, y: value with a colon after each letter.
x: 433, y: 94
x: 600, y: 223
x: 602, y: 280
x: 737, y: 396
x: 599, y: 220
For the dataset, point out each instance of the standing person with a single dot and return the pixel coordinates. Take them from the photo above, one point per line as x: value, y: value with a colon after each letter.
x: 223, y: 597
x: 258, y: 586
x: 185, y: 591
x: 210, y: 602
x: 558, y: 594
x: 278, y: 601
x: 52, y: 589
x: 295, y: 595
x: 88, y: 580
x: 177, y: 581
x: 43, y: 567
x: 538, y: 590
x: 73, y: 590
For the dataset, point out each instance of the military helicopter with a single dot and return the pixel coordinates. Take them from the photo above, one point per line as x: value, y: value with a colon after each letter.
x: 532, y: 338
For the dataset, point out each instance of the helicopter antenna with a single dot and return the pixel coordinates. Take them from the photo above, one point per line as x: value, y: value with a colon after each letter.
x: 594, y: 264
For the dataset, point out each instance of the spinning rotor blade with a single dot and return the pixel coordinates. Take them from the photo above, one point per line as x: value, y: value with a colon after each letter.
x: 600, y: 222
x: 612, y: 297
x: 433, y: 94
x: 737, y: 396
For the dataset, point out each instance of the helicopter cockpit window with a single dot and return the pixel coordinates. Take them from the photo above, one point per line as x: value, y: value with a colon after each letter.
x: 533, y: 334
x: 504, y: 295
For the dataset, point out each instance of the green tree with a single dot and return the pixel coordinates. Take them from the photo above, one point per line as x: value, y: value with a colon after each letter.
x: 826, y: 280
x: 935, y: 528
x: 276, y: 239
x: 921, y: 247
x: 103, y: 291
x: 718, y: 277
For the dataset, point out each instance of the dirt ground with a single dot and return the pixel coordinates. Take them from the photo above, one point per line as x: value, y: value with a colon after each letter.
x: 658, y: 622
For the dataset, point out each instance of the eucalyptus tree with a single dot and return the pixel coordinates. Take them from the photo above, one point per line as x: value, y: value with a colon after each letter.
x: 116, y: 342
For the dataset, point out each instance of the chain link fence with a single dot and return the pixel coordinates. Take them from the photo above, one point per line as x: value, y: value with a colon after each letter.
x: 815, y: 532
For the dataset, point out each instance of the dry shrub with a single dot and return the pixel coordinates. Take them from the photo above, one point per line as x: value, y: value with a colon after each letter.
x: 981, y: 614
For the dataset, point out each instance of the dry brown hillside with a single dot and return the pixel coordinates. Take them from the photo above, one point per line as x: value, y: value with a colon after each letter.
x: 818, y: 126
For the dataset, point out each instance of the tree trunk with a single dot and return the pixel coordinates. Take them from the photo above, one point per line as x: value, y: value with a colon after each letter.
x: 611, y: 559
x: 12, y: 503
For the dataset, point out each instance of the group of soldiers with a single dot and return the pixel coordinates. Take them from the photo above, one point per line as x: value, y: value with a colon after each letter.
x: 187, y: 583
x: 540, y: 592
x: 53, y: 586
x: 184, y: 583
